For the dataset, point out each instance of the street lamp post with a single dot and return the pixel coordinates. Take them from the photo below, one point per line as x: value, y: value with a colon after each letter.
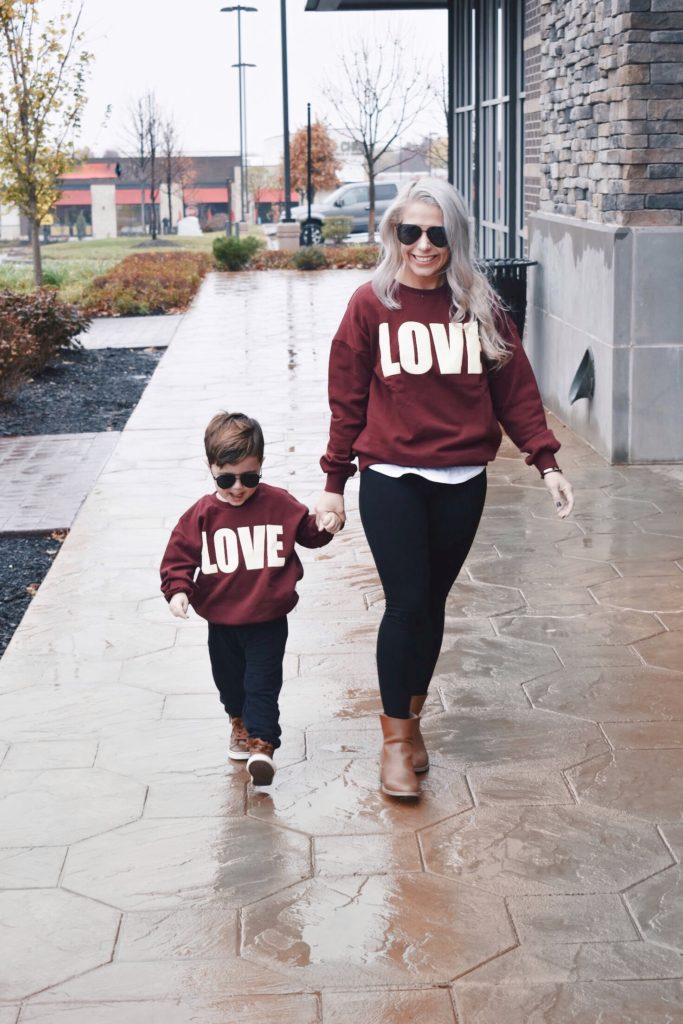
x: 242, y: 88
x: 244, y: 190
x: 285, y: 113
x: 309, y: 175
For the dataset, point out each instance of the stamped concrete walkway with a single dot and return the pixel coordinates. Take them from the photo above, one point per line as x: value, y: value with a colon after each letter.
x: 537, y: 880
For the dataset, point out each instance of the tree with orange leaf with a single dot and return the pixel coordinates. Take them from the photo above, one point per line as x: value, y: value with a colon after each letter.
x: 324, y: 159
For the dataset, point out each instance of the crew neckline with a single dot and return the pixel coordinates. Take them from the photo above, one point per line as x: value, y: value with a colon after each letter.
x: 222, y: 503
x: 423, y: 291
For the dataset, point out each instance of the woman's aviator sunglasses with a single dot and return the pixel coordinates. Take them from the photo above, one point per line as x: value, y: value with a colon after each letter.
x: 408, y: 234
x: 227, y: 480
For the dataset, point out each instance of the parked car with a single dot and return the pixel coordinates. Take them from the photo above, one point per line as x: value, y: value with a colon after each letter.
x: 352, y: 200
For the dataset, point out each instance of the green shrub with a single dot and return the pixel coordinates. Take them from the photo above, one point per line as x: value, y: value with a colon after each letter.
x: 308, y: 258
x: 147, y: 283
x: 54, y: 277
x: 235, y: 253
x: 335, y: 229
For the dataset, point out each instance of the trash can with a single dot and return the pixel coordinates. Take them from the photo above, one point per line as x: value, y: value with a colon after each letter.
x: 508, y: 277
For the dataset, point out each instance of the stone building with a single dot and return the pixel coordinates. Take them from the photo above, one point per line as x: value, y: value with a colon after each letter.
x: 567, y: 142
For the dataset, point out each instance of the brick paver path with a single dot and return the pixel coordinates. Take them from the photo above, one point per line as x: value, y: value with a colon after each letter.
x: 46, y: 479
x: 538, y: 878
x: 131, y: 331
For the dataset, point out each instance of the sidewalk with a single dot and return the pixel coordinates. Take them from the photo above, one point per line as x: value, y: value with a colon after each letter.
x: 537, y: 881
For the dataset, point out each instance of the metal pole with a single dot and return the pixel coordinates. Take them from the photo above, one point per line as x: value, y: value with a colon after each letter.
x: 309, y: 175
x: 242, y: 102
x: 285, y: 114
x: 245, y: 207
x: 451, y: 87
x: 239, y: 78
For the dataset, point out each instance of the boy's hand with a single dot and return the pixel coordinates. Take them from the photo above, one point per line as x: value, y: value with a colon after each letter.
x: 331, y: 522
x: 179, y: 604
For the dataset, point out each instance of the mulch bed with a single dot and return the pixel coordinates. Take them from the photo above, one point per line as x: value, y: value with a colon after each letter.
x: 85, y: 391
x: 25, y: 562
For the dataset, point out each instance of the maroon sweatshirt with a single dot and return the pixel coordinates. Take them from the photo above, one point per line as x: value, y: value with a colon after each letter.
x: 238, y: 564
x: 409, y: 388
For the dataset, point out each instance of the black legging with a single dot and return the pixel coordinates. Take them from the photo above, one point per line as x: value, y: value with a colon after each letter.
x: 419, y: 533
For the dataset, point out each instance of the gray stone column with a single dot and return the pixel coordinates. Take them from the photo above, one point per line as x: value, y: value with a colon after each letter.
x: 103, y: 210
x: 616, y: 291
x: 605, y: 142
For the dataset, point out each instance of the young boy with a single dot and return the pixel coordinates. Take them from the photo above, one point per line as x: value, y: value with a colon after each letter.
x: 231, y: 557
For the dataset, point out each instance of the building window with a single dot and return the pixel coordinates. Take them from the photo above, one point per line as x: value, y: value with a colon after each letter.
x: 488, y: 120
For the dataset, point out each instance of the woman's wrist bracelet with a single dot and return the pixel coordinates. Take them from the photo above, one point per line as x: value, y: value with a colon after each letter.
x: 551, y: 469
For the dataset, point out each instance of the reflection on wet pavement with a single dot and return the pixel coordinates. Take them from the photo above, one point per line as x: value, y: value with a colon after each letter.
x: 537, y: 879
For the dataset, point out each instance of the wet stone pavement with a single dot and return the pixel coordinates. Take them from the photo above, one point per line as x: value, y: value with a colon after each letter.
x: 537, y: 880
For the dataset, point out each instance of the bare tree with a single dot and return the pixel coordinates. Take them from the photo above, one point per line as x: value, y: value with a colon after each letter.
x: 385, y: 94
x: 176, y: 168
x: 439, y: 90
x: 145, y: 131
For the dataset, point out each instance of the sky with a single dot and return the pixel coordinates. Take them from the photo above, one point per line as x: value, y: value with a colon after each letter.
x: 184, y: 52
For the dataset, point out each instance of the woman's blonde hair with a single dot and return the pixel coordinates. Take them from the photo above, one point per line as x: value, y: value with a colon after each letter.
x: 471, y: 294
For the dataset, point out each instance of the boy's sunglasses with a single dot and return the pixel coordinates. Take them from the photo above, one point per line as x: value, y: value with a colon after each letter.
x: 227, y: 480
x: 409, y: 233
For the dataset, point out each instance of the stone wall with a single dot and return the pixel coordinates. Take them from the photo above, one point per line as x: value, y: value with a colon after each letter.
x: 611, y: 110
x: 616, y: 292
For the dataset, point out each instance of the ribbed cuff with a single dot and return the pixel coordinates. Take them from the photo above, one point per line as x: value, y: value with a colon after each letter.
x: 336, y: 482
x: 545, y: 460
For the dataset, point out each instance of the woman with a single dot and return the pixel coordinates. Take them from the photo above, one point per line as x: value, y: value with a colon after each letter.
x: 424, y: 367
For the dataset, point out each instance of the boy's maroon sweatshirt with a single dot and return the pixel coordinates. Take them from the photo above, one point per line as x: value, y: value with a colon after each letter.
x: 238, y: 564
x: 410, y: 388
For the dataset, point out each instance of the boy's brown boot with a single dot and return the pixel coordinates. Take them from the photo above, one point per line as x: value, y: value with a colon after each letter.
x: 239, y: 740
x: 260, y: 765
x: 420, y: 755
x: 397, y: 775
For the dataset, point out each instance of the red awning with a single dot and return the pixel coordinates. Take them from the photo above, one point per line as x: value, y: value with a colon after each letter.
x: 206, y: 195
x: 74, y: 197
x: 131, y: 196
x: 89, y: 171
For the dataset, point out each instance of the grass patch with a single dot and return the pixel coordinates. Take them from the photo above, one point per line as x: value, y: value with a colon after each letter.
x: 72, y: 268
x: 115, y: 249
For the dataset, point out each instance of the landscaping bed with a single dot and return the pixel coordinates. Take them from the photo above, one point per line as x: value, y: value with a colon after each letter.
x: 25, y: 562
x: 82, y: 391
x: 146, y: 284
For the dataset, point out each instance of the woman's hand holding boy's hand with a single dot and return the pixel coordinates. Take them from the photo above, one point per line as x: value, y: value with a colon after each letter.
x: 327, y: 503
x: 561, y: 493
x: 179, y: 605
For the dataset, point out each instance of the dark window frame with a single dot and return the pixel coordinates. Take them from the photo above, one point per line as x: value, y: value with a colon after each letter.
x: 488, y: 121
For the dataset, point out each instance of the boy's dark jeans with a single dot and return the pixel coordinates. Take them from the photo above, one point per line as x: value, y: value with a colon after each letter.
x: 246, y: 662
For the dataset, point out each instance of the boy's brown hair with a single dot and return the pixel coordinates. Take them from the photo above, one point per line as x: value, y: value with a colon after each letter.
x: 231, y: 437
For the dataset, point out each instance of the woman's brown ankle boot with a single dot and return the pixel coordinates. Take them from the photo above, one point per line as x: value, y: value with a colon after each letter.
x: 420, y: 755
x: 397, y: 775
